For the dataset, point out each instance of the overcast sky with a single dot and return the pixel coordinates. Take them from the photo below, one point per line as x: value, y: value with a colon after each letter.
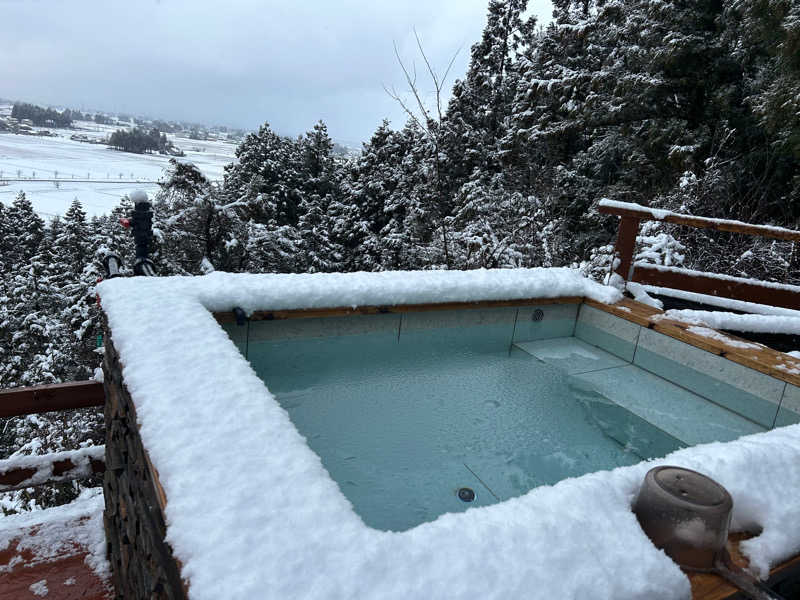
x: 238, y: 63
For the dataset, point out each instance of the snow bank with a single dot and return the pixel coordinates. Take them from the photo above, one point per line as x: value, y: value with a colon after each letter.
x: 252, y: 513
x: 58, y: 529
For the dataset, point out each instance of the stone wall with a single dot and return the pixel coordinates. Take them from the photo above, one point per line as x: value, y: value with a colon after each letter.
x: 142, y: 564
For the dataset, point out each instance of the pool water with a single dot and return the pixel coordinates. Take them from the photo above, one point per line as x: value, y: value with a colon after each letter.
x: 402, y: 423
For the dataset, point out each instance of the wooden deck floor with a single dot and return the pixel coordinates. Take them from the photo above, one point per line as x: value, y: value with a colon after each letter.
x: 32, y: 567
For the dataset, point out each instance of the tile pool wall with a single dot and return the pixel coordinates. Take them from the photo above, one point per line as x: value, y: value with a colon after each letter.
x: 477, y: 398
x: 758, y: 397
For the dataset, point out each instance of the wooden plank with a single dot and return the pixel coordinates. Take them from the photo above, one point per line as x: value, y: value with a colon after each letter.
x: 628, y: 309
x: 708, y: 586
x: 60, y: 467
x: 754, y: 356
x: 45, y: 398
x: 704, y: 223
x: 734, y: 288
x: 343, y: 311
x: 626, y: 244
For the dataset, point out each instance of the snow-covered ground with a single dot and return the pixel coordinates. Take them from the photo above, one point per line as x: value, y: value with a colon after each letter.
x: 60, y: 157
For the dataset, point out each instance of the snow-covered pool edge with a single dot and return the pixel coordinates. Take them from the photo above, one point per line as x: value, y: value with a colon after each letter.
x: 278, y: 526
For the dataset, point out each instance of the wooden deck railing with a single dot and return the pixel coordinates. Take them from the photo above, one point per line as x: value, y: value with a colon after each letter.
x: 36, y: 399
x: 29, y: 471
x: 760, y: 292
x: 56, y: 467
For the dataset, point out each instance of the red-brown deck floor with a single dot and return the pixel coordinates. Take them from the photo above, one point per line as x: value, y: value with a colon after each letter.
x: 67, y: 576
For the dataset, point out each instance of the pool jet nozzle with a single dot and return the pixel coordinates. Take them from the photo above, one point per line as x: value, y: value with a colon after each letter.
x: 688, y: 515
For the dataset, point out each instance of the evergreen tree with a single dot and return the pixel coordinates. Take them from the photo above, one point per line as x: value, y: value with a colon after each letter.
x: 24, y: 233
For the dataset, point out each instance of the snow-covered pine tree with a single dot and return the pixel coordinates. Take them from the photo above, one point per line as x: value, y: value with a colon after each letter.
x: 197, y: 223
x: 366, y: 189
x: 75, y: 273
x: 24, y: 233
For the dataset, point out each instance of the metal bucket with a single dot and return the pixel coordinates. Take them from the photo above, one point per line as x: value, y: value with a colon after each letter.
x: 688, y: 515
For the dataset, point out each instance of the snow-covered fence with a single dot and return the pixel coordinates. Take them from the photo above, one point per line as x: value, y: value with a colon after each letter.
x: 27, y: 471
x: 749, y: 290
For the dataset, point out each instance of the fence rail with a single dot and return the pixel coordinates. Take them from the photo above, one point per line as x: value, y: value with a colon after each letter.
x: 20, y: 401
x: 27, y: 471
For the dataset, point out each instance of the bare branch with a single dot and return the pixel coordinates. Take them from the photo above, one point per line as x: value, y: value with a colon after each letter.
x: 395, y: 96
x: 412, y: 83
x: 450, y: 64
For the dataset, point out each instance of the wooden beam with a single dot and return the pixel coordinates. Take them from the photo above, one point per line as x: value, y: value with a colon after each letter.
x: 730, y: 287
x: 49, y: 468
x: 626, y: 244
x: 46, y: 398
x: 343, y: 311
x: 646, y: 214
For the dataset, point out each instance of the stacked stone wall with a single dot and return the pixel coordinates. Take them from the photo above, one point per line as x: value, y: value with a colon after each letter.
x: 142, y: 563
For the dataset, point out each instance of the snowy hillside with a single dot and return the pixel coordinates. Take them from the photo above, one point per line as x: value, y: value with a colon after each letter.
x: 79, y: 162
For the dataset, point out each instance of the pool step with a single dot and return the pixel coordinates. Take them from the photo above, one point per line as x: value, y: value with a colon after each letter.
x: 571, y: 355
x: 680, y: 413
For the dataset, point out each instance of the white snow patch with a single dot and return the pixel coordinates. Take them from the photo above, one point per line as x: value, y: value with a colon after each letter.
x: 98, y: 375
x: 39, y: 588
x: 710, y: 333
x: 640, y: 295
x: 794, y: 353
x: 730, y: 304
x: 69, y: 581
x: 281, y: 527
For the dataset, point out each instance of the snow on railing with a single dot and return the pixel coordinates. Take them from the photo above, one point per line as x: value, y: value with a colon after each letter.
x: 711, y: 284
x: 27, y: 471
x: 631, y: 209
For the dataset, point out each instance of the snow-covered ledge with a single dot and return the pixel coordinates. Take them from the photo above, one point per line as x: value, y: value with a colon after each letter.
x: 252, y: 513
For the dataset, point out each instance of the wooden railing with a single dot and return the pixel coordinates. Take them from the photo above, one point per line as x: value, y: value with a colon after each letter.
x: 30, y: 471
x: 760, y: 292
x: 36, y: 399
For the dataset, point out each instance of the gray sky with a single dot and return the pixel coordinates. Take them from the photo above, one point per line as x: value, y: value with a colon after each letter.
x: 239, y: 63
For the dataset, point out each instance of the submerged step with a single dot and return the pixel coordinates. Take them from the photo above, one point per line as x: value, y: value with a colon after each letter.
x: 670, y: 408
x: 673, y: 409
x: 571, y: 355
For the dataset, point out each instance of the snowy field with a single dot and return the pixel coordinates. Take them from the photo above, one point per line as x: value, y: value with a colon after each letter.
x: 60, y: 157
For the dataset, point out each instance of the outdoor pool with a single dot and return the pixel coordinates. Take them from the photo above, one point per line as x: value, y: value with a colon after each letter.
x: 418, y: 414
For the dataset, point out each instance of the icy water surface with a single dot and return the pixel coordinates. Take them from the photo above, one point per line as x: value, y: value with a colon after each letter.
x: 401, y: 424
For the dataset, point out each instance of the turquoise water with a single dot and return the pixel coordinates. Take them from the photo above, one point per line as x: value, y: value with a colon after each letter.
x: 402, y: 422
